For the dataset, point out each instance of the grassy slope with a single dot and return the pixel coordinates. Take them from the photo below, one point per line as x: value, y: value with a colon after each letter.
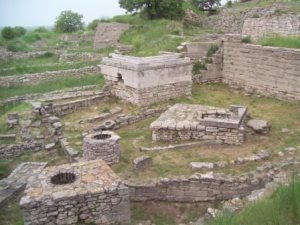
x: 52, y: 85
x: 280, y: 41
x: 282, y: 208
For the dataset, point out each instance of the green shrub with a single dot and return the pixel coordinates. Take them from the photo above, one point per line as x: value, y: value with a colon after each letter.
x: 229, y: 4
x: 255, y: 15
x: 212, y: 50
x: 32, y: 37
x: 208, y: 61
x: 17, y: 46
x: 8, y: 33
x: 207, y: 5
x: 19, y: 31
x: 152, y: 9
x: 47, y: 55
x: 68, y: 21
x: 246, y: 39
x: 41, y: 30
x: 93, y: 25
x: 198, y: 66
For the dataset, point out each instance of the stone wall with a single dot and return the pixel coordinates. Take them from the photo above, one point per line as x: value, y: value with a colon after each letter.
x: 68, y: 107
x: 197, y: 188
x: 108, y: 34
x: 16, y: 182
x: 10, y: 81
x: 7, y: 55
x: 268, y: 71
x: 79, y: 193
x: 213, y: 72
x: 282, y: 25
x: 79, y: 57
x: 14, y: 150
x: 150, y: 95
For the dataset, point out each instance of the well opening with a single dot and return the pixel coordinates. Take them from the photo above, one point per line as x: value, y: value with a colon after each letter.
x: 102, y: 136
x: 63, y: 178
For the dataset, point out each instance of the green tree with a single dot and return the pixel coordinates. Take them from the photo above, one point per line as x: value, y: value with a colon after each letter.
x: 68, y: 21
x: 169, y: 9
x: 207, y: 5
x: 8, y: 33
x: 19, y: 31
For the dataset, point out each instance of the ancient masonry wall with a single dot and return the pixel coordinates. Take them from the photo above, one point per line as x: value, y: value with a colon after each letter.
x: 14, y: 150
x: 283, y: 25
x: 197, y: 188
x: 10, y: 81
x: 80, y: 193
x: 213, y: 135
x: 61, y: 109
x: 268, y: 71
x: 152, y: 94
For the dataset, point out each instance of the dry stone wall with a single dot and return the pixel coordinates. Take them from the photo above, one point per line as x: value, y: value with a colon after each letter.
x: 10, y: 81
x: 268, y: 71
x: 14, y: 150
x: 108, y: 34
x: 197, y: 188
x: 282, y: 25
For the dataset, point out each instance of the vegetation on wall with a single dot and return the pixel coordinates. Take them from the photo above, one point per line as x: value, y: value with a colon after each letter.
x: 281, y: 41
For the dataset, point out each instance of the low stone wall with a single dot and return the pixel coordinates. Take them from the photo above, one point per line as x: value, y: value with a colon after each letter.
x: 15, y: 183
x: 14, y: 150
x: 10, y: 81
x: 54, y: 95
x: 61, y: 109
x: 282, y: 25
x: 268, y: 71
x: 7, y: 55
x: 197, y: 188
x: 77, y: 57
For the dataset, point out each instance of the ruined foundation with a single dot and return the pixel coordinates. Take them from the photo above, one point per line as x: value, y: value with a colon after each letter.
x: 81, y: 193
x: 102, y: 145
x: 198, y: 122
x: 145, y: 80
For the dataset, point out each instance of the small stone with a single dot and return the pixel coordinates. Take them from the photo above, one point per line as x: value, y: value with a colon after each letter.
x: 259, y: 126
x: 280, y: 154
x: 142, y: 163
x: 201, y: 165
x: 50, y: 146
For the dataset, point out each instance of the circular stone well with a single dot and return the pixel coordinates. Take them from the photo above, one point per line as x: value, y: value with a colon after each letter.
x: 63, y: 178
x: 102, y: 145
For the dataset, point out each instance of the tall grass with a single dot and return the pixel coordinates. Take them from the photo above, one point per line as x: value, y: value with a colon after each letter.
x: 52, y: 85
x: 282, y: 208
x: 150, y: 36
x: 280, y: 41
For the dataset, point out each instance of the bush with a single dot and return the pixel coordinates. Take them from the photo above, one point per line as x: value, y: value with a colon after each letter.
x: 68, y: 21
x: 17, y: 46
x: 198, y: 66
x: 212, y: 50
x: 229, y: 4
x: 93, y: 25
x: 32, y: 37
x: 152, y: 9
x: 246, y: 39
x: 47, y: 55
x: 41, y: 30
x: 8, y: 33
x: 19, y: 31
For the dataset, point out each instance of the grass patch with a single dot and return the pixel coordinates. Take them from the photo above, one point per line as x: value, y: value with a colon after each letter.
x: 52, y: 85
x: 282, y: 208
x: 150, y: 36
x: 281, y: 41
x: 12, y: 213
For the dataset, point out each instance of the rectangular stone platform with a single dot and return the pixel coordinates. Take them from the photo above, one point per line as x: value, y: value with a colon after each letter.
x: 199, y: 122
x: 145, y: 80
x: 80, y: 193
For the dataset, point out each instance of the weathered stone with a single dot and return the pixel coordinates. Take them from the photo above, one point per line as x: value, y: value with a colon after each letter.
x: 142, y: 163
x: 82, y: 190
x: 201, y: 165
x: 259, y: 126
x: 102, y: 145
